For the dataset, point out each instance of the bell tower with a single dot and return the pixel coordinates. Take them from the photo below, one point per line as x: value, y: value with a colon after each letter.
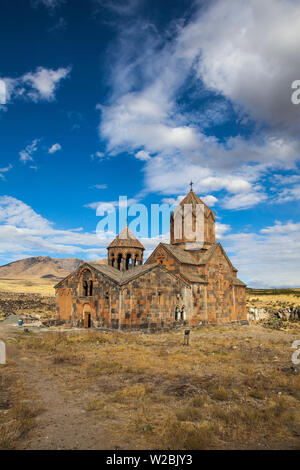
x: 192, y: 224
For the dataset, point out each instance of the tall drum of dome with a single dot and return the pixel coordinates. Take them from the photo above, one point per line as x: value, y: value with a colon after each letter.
x: 192, y: 224
x: 125, y: 251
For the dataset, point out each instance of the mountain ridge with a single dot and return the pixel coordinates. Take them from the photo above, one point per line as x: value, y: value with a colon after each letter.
x: 42, y: 267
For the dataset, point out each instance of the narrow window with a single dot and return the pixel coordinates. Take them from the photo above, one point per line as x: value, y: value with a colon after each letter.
x: 85, y: 288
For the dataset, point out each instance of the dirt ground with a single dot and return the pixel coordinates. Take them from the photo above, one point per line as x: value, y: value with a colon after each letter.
x: 234, y: 387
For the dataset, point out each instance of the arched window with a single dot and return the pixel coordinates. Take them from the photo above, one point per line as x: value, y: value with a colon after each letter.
x: 182, y: 313
x: 128, y: 261
x: 86, y: 284
x: 85, y: 288
x: 120, y: 259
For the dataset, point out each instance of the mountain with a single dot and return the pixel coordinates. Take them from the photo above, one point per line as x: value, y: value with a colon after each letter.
x: 42, y: 267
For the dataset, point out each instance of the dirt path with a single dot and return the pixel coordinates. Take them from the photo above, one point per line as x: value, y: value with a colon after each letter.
x: 64, y: 423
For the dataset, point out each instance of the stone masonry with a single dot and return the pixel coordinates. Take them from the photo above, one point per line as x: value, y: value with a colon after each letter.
x: 181, y: 283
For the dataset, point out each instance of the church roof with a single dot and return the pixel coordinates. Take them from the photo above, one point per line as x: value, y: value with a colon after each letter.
x: 193, y: 199
x: 186, y: 257
x: 180, y: 254
x: 123, y: 277
x: 126, y: 239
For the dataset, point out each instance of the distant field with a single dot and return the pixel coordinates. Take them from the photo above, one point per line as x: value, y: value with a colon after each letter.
x: 273, y: 298
x: 29, y: 286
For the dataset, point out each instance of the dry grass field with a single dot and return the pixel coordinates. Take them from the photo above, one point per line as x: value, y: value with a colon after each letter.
x: 232, y: 388
x: 274, y: 299
x: 42, y: 287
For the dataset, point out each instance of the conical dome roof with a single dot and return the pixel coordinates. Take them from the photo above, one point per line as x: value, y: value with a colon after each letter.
x: 192, y: 199
x: 126, y: 239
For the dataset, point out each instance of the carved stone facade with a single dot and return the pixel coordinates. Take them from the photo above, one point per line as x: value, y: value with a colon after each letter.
x: 184, y: 282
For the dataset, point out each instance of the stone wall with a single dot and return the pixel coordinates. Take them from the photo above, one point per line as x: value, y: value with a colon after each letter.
x: 149, y: 301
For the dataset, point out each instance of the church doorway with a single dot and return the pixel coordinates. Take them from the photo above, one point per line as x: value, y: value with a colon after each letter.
x: 87, y: 320
x: 87, y: 317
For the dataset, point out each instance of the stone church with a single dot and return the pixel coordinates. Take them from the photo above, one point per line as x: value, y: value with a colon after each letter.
x: 182, y: 282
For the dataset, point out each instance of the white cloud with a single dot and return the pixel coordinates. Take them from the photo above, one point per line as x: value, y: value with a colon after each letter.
x: 54, y: 148
x: 289, y: 194
x: 282, y: 228
x: 26, y: 155
x: 142, y: 155
x: 15, y: 213
x: 268, y: 259
x: 108, y: 205
x: 251, y: 56
x: 50, y: 4
x: 120, y: 7
x: 99, y: 186
x: 98, y: 155
x: 22, y: 230
x: 221, y: 230
x: 209, y: 200
x: 5, y: 170
x: 40, y: 85
x: 285, y: 179
x: 245, y: 200
x: 44, y: 82
x: 248, y: 58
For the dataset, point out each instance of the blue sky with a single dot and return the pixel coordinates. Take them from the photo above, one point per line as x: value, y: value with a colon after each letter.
x: 108, y: 98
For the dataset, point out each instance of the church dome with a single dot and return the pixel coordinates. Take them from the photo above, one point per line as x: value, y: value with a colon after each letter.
x: 125, y: 251
x: 126, y: 239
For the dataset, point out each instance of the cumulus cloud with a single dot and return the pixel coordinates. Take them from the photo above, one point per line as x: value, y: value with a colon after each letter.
x: 22, y: 230
x: 251, y: 56
x: 44, y: 82
x: 40, y: 85
x: 54, y: 148
x: 245, y: 62
x: 245, y: 200
x: 142, y: 155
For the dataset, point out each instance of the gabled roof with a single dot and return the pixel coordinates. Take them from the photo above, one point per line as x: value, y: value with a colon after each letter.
x: 186, y: 257
x: 126, y: 239
x: 121, y: 277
